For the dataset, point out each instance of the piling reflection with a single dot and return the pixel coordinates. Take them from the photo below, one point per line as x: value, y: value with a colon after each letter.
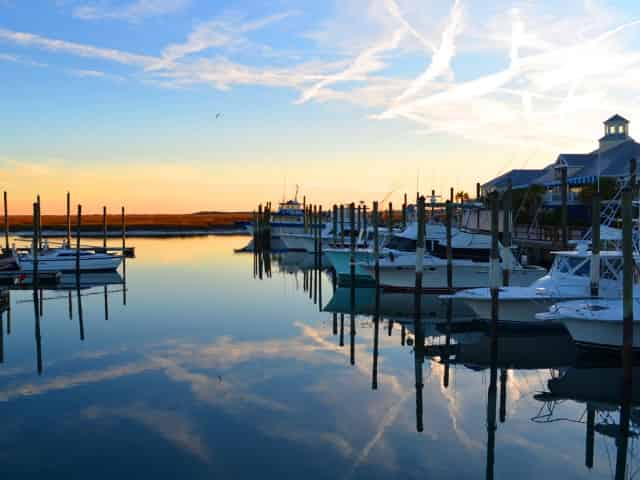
x: 68, y: 287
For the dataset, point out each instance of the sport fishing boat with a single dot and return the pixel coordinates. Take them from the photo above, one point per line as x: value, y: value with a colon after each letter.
x: 568, y: 279
x: 596, y: 323
x: 464, y: 245
x: 399, y: 271
x: 64, y: 260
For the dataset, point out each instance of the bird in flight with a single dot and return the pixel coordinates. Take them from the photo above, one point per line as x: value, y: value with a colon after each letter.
x: 218, y: 115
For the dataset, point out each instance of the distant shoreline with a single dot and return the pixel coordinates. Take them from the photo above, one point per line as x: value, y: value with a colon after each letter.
x: 137, y: 225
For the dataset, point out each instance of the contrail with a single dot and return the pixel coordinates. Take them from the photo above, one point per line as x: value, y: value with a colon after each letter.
x: 441, y: 60
x: 364, y: 63
x: 394, y: 10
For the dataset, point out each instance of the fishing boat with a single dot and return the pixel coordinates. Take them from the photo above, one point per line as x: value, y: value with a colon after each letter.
x: 399, y: 271
x: 64, y: 260
x: 595, y: 323
x: 464, y: 245
x: 568, y: 279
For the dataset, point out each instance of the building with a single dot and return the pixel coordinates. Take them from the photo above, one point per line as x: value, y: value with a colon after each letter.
x: 611, y: 160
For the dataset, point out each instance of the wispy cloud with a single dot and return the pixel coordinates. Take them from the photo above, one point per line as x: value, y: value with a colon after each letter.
x: 83, y: 50
x: 6, y: 57
x: 132, y: 12
x: 217, y: 33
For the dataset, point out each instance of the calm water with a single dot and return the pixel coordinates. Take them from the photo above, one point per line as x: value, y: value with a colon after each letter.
x: 210, y: 371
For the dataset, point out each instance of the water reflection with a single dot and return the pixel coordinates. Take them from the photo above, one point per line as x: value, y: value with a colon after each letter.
x: 212, y: 371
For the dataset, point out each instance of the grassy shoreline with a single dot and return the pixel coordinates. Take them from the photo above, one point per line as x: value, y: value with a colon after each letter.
x: 167, y: 222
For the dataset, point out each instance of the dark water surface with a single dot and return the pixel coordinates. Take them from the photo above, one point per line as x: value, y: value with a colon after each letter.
x: 209, y: 371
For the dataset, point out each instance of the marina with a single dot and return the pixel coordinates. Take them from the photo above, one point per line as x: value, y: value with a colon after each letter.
x: 361, y: 240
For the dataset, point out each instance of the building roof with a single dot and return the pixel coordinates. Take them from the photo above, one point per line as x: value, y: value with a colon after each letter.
x: 616, y: 119
x: 520, y: 178
x: 575, y: 160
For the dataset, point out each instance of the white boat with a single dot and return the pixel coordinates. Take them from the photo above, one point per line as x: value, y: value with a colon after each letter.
x: 64, y: 260
x: 464, y: 245
x: 595, y: 322
x: 568, y: 279
x: 399, y: 271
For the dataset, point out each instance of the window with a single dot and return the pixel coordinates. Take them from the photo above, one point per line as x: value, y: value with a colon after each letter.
x: 620, y: 128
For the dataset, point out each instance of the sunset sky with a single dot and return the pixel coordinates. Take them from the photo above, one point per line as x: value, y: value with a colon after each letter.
x: 116, y: 100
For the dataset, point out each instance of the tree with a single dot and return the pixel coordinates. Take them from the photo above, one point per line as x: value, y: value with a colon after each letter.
x: 462, y: 196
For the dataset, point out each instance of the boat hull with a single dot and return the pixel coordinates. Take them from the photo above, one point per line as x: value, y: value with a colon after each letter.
x: 93, y: 263
x: 341, y: 262
x: 597, y: 333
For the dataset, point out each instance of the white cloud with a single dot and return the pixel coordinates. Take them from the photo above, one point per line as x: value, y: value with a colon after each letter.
x: 32, y: 40
x: 131, y: 12
x: 217, y: 33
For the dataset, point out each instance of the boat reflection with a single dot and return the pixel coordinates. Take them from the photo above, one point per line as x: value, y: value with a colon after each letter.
x: 611, y: 401
x: 83, y: 285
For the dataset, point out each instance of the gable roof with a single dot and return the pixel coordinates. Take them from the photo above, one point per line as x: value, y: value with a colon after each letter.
x: 520, y: 178
x: 616, y: 119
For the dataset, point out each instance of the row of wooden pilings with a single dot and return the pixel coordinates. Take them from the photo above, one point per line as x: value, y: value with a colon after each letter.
x: 37, y: 226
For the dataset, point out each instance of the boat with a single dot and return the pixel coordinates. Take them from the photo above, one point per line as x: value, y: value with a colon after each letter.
x: 464, y: 245
x: 399, y: 271
x: 569, y: 278
x: 595, y: 323
x: 8, y: 260
x: 64, y: 260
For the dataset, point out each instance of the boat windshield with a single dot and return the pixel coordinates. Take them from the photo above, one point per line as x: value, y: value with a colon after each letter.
x: 402, y: 244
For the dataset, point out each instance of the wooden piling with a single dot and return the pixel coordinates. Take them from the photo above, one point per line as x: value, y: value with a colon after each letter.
x: 364, y: 225
x: 352, y: 291
x: 39, y: 222
x: 404, y: 212
x: 451, y: 195
x: 35, y: 251
x: 341, y: 226
x: 477, y: 191
x: 359, y: 220
x: 419, y: 253
x: 627, y: 284
x: 449, y: 214
x: 79, y: 222
x: 320, y: 229
x: 506, y: 232
x: 68, y: 223
x: 124, y: 231
x: 390, y: 219
x: 104, y: 228
x: 417, y: 319
x: 335, y: 225
x: 595, y: 245
x: 6, y: 221
x: 352, y: 258
x: 564, y: 213
x: 494, y: 265
x: 376, y: 243
x: 314, y: 227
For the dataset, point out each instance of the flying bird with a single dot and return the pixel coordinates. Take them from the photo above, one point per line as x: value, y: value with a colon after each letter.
x: 218, y: 115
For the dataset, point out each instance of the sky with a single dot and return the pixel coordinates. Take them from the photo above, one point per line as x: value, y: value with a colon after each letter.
x: 169, y: 106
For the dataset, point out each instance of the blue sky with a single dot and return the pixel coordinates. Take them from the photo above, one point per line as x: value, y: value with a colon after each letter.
x: 351, y: 99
